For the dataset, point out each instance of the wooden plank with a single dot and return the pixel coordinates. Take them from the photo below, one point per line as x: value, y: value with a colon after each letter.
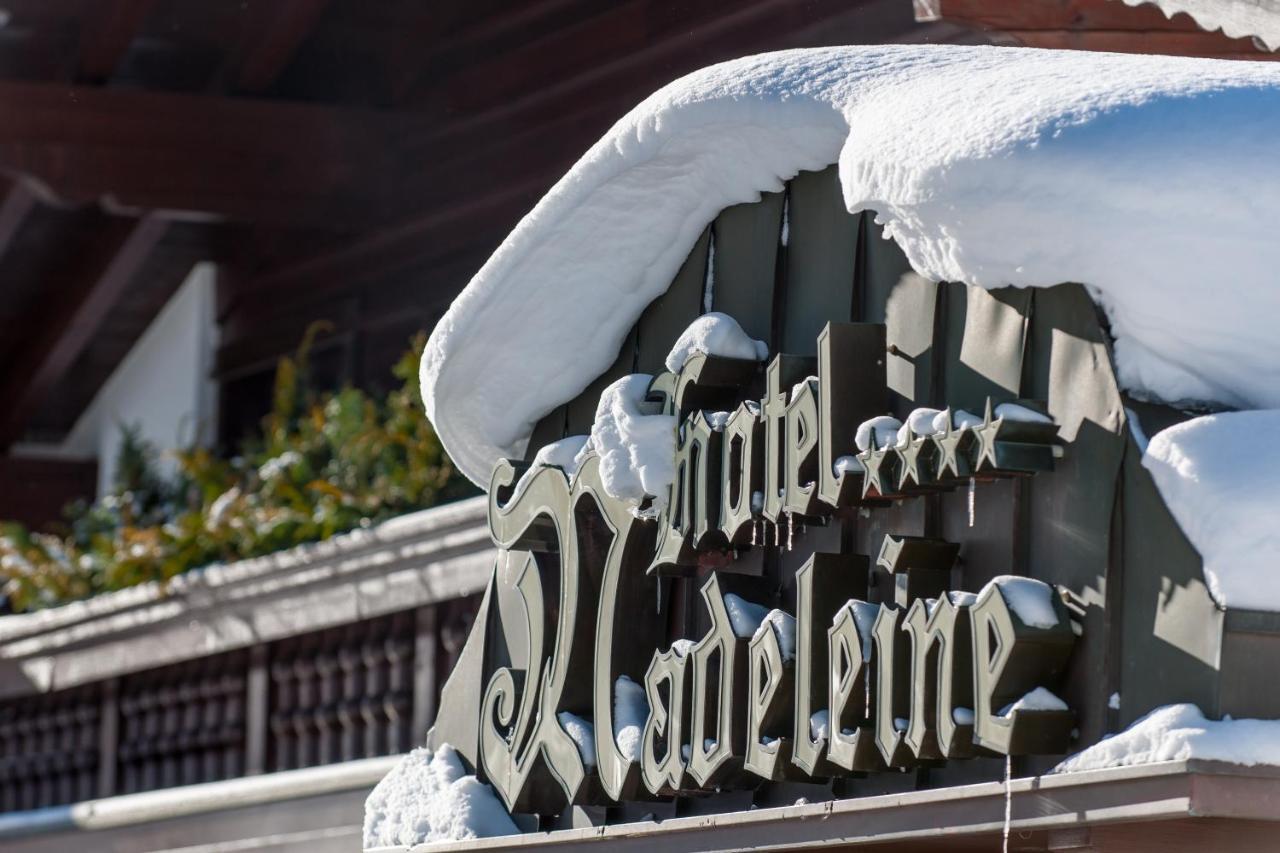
x: 1100, y: 25
x: 17, y: 205
x: 747, y: 241
x: 108, y: 31
x: 568, y: 52
x: 479, y: 37
x: 75, y: 307
x: 986, y: 345
x: 550, y: 428
x: 257, y: 690
x: 276, y: 29
x: 1061, y: 14
x: 1213, y: 44
x: 47, y: 486
x: 128, y: 319
x: 108, y: 737
x: 426, y: 687
x: 435, y: 236
x: 880, y: 265
x: 581, y: 412
x: 669, y: 314
x: 626, y: 76
x: 1069, y: 517
x: 203, y: 156
x: 910, y: 313
x: 822, y: 254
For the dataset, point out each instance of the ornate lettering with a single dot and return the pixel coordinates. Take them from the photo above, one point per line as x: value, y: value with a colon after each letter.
x: 927, y: 675
x: 824, y: 583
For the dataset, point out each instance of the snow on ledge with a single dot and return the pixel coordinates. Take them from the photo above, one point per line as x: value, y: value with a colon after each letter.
x: 1259, y: 19
x: 992, y: 166
x: 430, y: 797
x: 745, y: 616
x: 715, y: 333
x: 636, y: 444
x: 630, y: 711
x: 1030, y: 599
x: 1220, y: 477
x: 125, y: 610
x: 1180, y: 733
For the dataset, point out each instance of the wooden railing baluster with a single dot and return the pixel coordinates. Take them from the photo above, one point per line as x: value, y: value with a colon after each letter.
x: 360, y: 690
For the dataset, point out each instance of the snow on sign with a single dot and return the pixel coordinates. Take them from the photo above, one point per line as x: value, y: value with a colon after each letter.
x: 791, y: 508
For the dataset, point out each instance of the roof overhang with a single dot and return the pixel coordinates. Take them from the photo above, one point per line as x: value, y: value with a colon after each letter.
x: 1053, y: 809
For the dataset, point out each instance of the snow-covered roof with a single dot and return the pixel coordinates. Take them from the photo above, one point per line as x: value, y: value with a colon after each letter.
x: 1151, y: 179
x: 1259, y: 19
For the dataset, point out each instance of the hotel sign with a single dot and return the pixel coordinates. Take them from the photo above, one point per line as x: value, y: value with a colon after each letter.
x: 841, y: 681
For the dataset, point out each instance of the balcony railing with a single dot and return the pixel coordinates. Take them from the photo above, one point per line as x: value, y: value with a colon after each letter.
x: 321, y: 654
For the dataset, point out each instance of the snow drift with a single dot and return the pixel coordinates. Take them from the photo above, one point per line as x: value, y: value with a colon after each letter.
x: 430, y: 797
x: 1181, y: 733
x: 1151, y: 179
x: 1220, y: 477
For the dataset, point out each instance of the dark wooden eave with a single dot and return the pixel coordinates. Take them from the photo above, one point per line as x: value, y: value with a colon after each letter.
x: 1105, y: 25
x: 109, y: 29
x: 208, y: 157
x: 73, y: 308
x: 39, y: 487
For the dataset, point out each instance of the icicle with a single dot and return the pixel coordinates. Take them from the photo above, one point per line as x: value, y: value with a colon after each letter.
x: 709, y: 281
x: 791, y: 529
x: 973, y: 490
x: 1008, y: 800
x: 786, y: 219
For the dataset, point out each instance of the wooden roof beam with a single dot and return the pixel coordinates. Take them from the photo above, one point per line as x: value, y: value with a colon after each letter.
x: 75, y: 306
x: 452, y: 229
x: 200, y: 156
x: 47, y: 485
x: 108, y: 31
x: 275, y: 31
x: 1051, y: 15
x: 1107, y: 25
x: 15, y: 207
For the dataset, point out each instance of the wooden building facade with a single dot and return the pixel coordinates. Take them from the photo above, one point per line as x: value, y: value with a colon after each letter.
x: 342, y: 161
x: 356, y: 163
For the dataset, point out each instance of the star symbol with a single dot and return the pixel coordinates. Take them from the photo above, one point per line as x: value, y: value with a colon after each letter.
x: 953, y: 456
x: 916, y: 456
x: 875, y: 464
x: 987, y: 433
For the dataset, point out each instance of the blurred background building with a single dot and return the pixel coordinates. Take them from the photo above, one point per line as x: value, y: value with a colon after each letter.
x: 189, y: 184
x: 188, y: 187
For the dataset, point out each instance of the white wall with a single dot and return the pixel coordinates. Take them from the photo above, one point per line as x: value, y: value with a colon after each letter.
x: 163, y: 384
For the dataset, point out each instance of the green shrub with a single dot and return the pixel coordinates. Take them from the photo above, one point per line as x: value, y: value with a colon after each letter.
x: 323, y: 464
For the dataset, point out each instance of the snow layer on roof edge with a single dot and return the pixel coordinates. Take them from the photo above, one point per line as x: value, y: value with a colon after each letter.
x: 1236, y: 18
x: 991, y: 166
x: 1182, y: 733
